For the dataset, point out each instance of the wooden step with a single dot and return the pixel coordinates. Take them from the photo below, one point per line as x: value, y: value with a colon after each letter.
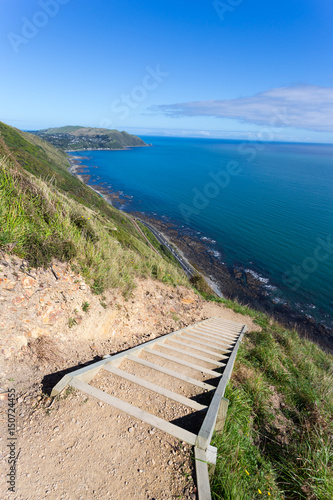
x: 211, y: 333
x: 182, y: 362
x: 136, y: 412
x: 173, y: 373
x: 205, y: 351
x: 185, y: 352
x: 213, y: 341
x: 219, y: 351
x: 155, y: 388
x: 208, y: 342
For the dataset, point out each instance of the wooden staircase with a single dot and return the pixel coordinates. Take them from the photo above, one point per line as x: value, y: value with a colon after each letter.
x: 201, y: 357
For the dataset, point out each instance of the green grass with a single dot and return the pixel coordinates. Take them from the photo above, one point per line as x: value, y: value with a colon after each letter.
x: 71, y: 322
x: 165, y: 252
x: 277, y: 441
x: 52, y: 214
x: 51, y: 165
x: 41, y: 223
x: 200, y: 284
x: 85, y: 306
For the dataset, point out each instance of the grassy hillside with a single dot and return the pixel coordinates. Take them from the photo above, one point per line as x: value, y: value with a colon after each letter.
x: 46, y: 213
x: 68, y: 129
x: 77, y: 138
x: 50, y: 164
x: 278, y: 437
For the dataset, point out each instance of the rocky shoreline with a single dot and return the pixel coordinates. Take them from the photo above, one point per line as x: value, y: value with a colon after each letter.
x: 240, y: 284
x: 125, y: 148
x: 235, y: 282
x: 81, y: 171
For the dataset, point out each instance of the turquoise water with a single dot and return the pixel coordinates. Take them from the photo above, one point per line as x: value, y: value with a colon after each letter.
x: 264, y: 207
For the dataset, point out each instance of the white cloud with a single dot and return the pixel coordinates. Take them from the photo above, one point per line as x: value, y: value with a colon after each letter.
x: 301, y: 106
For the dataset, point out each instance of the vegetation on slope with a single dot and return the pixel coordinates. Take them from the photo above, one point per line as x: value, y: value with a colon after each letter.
x: 278, y: 437
x: 163, y: 250
x: 40, y: 224
x: 78, y: 138
x: 46, y: 162
x: 44, y: 215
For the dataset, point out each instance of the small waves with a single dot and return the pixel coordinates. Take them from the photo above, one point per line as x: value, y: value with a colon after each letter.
x: 265, y: 281
x: 208, y: 240
x: 257, y: 276
x: 215, y: 253
x: 279, y: 301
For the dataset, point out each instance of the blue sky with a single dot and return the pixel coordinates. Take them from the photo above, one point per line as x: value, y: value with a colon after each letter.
x: 233, y: 68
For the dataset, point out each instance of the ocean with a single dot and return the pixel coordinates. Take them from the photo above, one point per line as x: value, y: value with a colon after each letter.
x: 263, y: 207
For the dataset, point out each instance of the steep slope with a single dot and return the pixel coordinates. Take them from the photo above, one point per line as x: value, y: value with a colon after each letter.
x: 44, y: 161
x: 33, y: 154
x: 44, y: 214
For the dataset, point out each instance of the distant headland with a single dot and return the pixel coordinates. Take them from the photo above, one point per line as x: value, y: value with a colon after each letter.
x: 77, y: 138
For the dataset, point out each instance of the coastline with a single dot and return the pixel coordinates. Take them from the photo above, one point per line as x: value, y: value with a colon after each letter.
x: 236, y: 283
x: 241, y: 285
x: 125, y: 148
x: 79, y: 170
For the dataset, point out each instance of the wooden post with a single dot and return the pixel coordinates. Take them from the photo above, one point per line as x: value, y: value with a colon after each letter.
x: 211, y: 453
x: 201, y: 467
x: 221, y: 415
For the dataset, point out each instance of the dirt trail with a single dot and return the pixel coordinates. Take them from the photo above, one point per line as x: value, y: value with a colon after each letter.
x: 76, y: 447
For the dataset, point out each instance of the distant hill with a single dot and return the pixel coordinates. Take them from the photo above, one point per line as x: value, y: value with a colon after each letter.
x: 77, y: 138
x: 43, y: 160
